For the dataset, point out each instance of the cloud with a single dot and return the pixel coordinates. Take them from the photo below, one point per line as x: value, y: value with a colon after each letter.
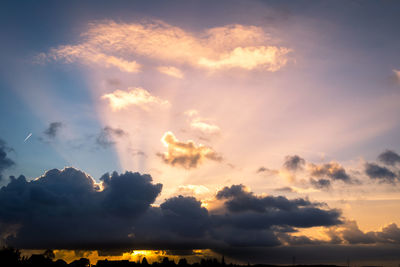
x: 389, y: 157
x: 185, y: 216
x: 193, y: 190
x: 68, y: 209
x: 353, y: 235
x: 249, y: 214
x: 107, y: 135
x: 321, y: 183
x: 349, y: 233
x: 397, y: 74
x: 205, y: 127
x: 262, y: 169
x: 171, y: 71
x: 271, y: 58
x: 133, y: 97
x: 85, y: 54
x: 5, y: 161
x: 332, y: 170
x: 294, y: 163
x: 53, y: 129
x: 136, y: 152
x: 267, y: 171
x: 286, y: 189
x: 293, y: 240
x: 383, y: 174
x: 185, y: 154
x: 241, y: 199
x: 199, y: 123
x: 109, y: 43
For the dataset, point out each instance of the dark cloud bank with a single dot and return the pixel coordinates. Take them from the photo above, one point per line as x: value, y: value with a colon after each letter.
x: 67, y: 209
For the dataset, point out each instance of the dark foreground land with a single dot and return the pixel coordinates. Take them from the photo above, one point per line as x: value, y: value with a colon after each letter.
x: 10, y: 257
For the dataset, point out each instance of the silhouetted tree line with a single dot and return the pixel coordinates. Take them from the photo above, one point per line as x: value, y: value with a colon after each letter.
x: 10, y: 257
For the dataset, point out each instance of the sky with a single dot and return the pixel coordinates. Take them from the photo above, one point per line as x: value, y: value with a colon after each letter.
x: 250, y: 129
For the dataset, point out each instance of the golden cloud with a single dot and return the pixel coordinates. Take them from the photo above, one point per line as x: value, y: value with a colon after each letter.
x: 190, y: 190
x: 185, y: 154
x: 331, y: 170
x: 134, y: 96
x: 273, y: 58
x: 115, y: 44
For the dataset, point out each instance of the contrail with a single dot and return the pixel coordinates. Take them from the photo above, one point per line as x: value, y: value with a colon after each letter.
x: 29, y: 135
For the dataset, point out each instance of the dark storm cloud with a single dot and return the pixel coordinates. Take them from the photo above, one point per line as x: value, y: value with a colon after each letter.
x: 107, y: 135
x: 389, y: 157
x: 129, y: 194
x: 330, y: 170
x: 383, y: 174
x: 181, y: 212
x: 241, y: 237
x: 238, y: 199
x: 293, y: 163
x: 247, y: 211
x: 5, y: 161
x: 53, y: 129
x: 67, y: 209
x: 297, y: 240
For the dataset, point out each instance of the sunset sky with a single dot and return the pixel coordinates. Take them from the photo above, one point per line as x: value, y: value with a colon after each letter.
x: 258, y: 130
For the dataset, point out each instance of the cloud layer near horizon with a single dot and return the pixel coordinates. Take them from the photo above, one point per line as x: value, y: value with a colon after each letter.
x: 67, y: 209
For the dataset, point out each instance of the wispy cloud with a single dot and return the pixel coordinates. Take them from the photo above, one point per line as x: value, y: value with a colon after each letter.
x: 171, y: 71
x: 88, y: 55
x: 205, y: 127
x: 107, y: 136
x: 133, y: 97
x: 185, y: 154
x: 201, y: 124
x: 113, y: 44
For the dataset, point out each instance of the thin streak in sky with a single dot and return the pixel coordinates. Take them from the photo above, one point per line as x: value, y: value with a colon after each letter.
x: 29, y: 135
